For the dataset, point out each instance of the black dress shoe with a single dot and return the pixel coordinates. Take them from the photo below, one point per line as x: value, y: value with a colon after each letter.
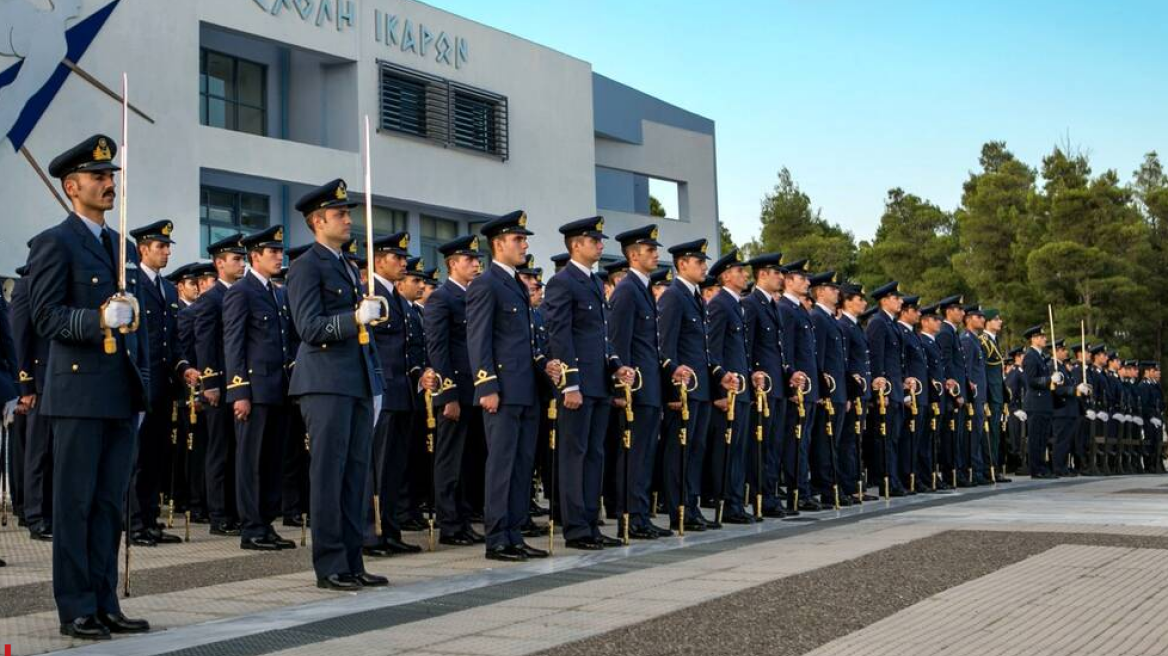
x: 584, y: 544
x: 293, y: 522
x: 162, y: 537
x: 200, y: 518
x: 506, y: 554
x: 642, y: 533
x: 118, y: 623
x: 533, y: 552
x: 774, y: 513
x: 537, y: 510
x: 479, y: 538
x: 738, y: 519
x: 371, y: 580
x: 898, y: 493
x: 1003, y: 479
x: 228, y: 530
x: 456, y: 540
x: 258, y: 544
x: 280, y: 542
x: 606, y: 541
x: 343, y: 582
x: 414, y: 524
x: 378, y: 551
x: 870, y: 497
x: 691, y: 527
x: 661, y: 532
x: 398, y: 547
x: 142, y: 539
x: 809, y: 505
x: 41, y: 535
x: 845, y: 501
x: 533, y: 530
x: 85, y: 627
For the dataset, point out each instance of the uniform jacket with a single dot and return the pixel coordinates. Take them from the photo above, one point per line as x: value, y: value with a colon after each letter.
x: 32, y: 351
x: 761, y: 316
x: 1036, y: 374
x: 72, y: 277
x: 975, y: 369
x: 208, y: 331
x: 158, y: 320
x: 682, y: 320
x: 256, y: 344
x: 727, y: 339
x: 858, y: 363
x: 323, y: 295
x: 392, y: 338
x: 831, y: 349
x: 799, y: 345
x: 952, y: 355
x: 577, y: 326
x: 445, y: 323
x: 501, y: 338
x: 885, y: 350
x: 633, y: 333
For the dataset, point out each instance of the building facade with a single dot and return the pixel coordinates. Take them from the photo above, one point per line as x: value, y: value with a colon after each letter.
x: 242, y: 105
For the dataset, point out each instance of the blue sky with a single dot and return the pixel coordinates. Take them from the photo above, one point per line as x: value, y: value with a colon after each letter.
x: 858, y: 96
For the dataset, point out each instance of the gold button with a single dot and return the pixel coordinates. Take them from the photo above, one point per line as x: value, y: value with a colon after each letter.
x: 75, y: 367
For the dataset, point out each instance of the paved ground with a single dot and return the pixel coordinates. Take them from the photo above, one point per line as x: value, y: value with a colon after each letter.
x: 999, y: 571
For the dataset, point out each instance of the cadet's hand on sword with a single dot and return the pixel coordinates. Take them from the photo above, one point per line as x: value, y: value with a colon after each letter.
x: 117, y: 313
x: 368, y: 312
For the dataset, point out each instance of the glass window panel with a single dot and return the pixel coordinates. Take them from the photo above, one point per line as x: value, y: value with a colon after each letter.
x: 220, y: 77
x: 254, y: 211
x: 249, y: 83
x: 218, y: 115
x: 251, y: 120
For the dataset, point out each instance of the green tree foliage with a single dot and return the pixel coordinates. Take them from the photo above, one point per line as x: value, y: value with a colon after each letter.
x: 791, y: 227
x: 725, y: 239
x: 1091, y: 246
x: 655, y: 207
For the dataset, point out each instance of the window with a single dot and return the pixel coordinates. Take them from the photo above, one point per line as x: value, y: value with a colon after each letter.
x: 443, y: 111
x: 223, y: 212
x: 232, y: 93
x: 386, y: 221
x: 435, y: 232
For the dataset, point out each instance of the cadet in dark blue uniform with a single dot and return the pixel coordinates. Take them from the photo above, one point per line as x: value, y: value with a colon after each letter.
x: 761, y: 317
x: 802, y: 373
x: 576, y: 314
x: 916, y: 398
x: 887, y: 374
x: 189, y: 484
x: 446, y: 345
x: 391, y: 438
x: 32, y: 356
x: 953, y: 456
x: 10, y: 401
x: 159, y: 304
x: 831, y: 361
x: 995, y: 388
x: 227, y: 255
x: 1067, y: 408
x: 93, y: 399
x: 506, y: 362
x: 1039, y: 406
x: 294, y: 495
x: 257, y: 355
x: 930, y: 402
x: 336, y: 380
x: 416, y: 484
x: 682, y: 325
x: 729, y: 348
x: 975, y: 374
x: 859, y: 390
x: 1015, y: 392
x: 633, y: 330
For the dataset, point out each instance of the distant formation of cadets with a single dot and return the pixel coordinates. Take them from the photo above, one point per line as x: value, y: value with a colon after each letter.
x: 706, y: 394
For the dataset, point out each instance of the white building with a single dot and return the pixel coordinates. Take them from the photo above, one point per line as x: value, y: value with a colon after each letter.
x: 252, y: 102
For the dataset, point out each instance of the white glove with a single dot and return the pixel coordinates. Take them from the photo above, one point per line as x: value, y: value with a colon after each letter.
x: 1120, y: 418
x: 1021, y: 415
x: 368, y: 312
x: 117, y: 313
x: 1156, y: 422
x: 10, y: 412
x: 1102, y: 416
x: 1139, y: 421
x: 1091, y: 415
x: 1057, y: 378
x: 1083, y: 389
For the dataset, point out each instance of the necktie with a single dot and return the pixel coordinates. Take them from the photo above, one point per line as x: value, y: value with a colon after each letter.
x: 108, y: 244
x: 158, y: 286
